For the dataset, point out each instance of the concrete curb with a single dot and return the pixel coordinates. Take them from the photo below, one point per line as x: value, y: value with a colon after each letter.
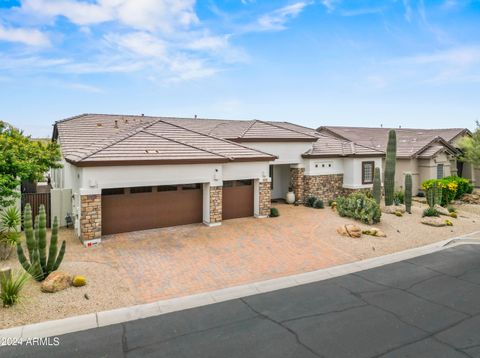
x: 120, y: 315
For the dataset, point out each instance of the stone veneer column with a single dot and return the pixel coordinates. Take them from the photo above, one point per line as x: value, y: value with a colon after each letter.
x: 91, y: 217
x: 296, y: 182
x: 265, y: 198
x: 216, y: 204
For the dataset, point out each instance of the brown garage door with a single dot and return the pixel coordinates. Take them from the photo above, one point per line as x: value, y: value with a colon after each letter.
x: 143, y: 208
x: 237, y: 199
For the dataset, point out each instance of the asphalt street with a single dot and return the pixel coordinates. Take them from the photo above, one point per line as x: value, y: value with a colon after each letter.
x: 424, y: 307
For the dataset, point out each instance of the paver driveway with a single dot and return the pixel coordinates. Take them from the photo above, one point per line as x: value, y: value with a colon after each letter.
x: 184, y: 260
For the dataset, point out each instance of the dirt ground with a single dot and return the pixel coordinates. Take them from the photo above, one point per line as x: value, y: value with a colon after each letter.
x: 145, y: 266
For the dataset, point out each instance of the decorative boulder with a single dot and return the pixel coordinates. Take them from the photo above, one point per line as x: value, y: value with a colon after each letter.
x: 394, y: 209
x: 350, y: 230
x: 441, y: 210
x: 373, y: 231
x: 56, y: 281
x: 432, y: 221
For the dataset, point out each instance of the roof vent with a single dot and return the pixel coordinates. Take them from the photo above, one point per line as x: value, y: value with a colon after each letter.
x: 99, y: 124
x: 115, y: 124
x: 143, y: 115
x: 195, y: 116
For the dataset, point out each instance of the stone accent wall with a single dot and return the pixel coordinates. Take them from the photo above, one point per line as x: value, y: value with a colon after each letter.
x: 296, y: 182
x: 325, y: 187
x: 265, y: 198
x: 91, y: 217
x: 215, y: 204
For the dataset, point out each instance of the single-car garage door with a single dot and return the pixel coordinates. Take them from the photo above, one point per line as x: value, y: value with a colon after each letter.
x: 142, y: 208
x: 237, y: 199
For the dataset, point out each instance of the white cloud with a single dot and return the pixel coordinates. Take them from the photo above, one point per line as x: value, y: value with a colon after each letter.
x: 31, y: 37
x: 152, y: 15
x: 459, y: 57
x: 276, y: 19
x: 408, y: 10
x: 329, y: 4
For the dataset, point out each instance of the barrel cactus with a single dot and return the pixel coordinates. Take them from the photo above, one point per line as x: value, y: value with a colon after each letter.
x: 390, y: 162
x: 408, y: 193
x: 39, y: 264
x: 377, y: 185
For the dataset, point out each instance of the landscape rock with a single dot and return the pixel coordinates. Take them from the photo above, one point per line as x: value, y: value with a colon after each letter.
x: 373, y: 231
x: 394, y: 209
x: 433, y: 221
x: 56, y: 281
x: 350, y: 230
x: 471, y: 199
x: 441, y: 210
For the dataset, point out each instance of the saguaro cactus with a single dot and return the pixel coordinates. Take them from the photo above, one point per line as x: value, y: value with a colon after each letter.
x: 408, y: 193
x: 377, y: 185
x: 37, y: 264
x: 390, y: 162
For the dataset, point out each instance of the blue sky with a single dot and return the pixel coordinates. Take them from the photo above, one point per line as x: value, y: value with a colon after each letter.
x: 319, y: 62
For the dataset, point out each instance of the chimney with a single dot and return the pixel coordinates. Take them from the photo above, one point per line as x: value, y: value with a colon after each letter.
x: 116, y: 124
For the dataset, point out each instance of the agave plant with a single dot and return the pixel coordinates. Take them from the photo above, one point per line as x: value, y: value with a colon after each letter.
x: 10, y: 287
x: 10, y: 220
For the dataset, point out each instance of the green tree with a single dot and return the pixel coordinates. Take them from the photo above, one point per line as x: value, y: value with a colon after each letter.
x: 21, y: 159
x: 471, y: 148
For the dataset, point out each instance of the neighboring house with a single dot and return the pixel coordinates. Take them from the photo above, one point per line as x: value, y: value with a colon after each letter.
x: 426, y: 153
x: 127, y: 173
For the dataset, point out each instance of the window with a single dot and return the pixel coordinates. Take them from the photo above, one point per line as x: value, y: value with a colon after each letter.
x: 141, y: 189
x: 167, y: 188
x: 439, y: 171
x: 190, y: 186
x: 113, y: 191
x: 243, y: 182
x: 367, y: 172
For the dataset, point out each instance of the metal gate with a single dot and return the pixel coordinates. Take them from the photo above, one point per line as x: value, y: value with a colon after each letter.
x: 35, y: 200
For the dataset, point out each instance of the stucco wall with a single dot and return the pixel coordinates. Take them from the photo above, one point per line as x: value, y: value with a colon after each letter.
x: 287, y: 152
x: 324, y: 166
x: 352, y: 177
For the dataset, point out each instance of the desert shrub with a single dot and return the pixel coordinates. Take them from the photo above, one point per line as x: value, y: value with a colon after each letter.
x: 398, y: 213
x: 454, y: 215
x: 359, y: 207
x: 274, y: 213
x: 318, y: 204
x: 399, y: 197
x: 9, y: 235
x: 10, y: 287
x: 79, y: 281
x: 463, y: 185
x: 310, y: 201
x: 448, y: 187
x: 430, y: 212
x: 330, y: 202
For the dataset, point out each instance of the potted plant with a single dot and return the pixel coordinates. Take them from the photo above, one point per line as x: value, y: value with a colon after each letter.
x: 290, y: 198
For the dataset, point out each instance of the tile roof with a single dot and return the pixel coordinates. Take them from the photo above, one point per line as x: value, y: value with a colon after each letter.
x: 410, y: 142
x: 111, y: 140
x: 328, y: 146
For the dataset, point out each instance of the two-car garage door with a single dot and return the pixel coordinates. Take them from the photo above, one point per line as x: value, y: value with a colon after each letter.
x: 143, y: 208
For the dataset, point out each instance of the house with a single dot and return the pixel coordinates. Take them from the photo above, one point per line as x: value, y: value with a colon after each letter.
x: 125, y: 173
x: 425, y: 153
